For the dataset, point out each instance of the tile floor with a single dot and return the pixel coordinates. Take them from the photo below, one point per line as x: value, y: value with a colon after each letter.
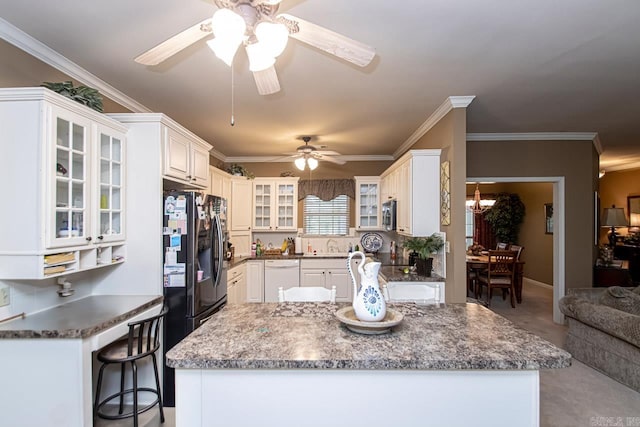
x: 572, y: 397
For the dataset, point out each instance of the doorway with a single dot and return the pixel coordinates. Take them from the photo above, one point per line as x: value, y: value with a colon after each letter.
x: 557, y: 228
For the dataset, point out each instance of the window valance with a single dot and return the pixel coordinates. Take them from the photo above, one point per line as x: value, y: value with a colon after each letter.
x: 326, y: 189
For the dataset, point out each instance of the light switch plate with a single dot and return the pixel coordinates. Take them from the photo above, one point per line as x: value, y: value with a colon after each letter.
x: 4, y: 297
x: 447, y: 247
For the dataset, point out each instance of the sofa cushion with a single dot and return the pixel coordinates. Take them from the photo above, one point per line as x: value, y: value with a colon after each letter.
x: 623, y: 299
x: 618, y: 323
x: 637, y: 290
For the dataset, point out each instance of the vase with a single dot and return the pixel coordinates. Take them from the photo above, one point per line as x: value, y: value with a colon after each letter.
x: 424, y: 266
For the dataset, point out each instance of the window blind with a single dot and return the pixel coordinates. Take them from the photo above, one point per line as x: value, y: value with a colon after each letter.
x: 326, y: 217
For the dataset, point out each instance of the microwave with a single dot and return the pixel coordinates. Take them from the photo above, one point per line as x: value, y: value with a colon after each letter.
x: 389, y: 215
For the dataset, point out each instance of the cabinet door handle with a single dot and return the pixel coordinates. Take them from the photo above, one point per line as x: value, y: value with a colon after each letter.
x: 188, y: 176
x: 193, y: 179
x: 100, y: 237
x: 88, y: 239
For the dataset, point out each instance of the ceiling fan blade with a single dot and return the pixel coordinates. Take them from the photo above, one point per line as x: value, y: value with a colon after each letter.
x: 331, y: 160
x: 329, y: 41
x: 175, y: 44
x: 327, y: 153
x: 267, y: 81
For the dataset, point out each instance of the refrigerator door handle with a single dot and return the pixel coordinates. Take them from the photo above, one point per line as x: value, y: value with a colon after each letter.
x: 220, y: 244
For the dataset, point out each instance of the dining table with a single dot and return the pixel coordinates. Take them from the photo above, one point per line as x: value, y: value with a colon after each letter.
x: 479, y: 263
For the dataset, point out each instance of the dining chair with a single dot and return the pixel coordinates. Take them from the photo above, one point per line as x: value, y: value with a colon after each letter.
x: 500, y: 273
x: 307, y: 294
x: 502, y: 246
x: 517, y: 249
x: 143, y: 340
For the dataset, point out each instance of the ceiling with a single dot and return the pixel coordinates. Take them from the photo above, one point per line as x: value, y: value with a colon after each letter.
x: 534, y: 66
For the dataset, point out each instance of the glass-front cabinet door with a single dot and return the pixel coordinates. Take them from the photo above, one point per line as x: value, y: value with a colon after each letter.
x: 110, y: 203
x: 287, y: 206
x: 262, y: 206
x: 368, y: 203
x: 69, y: 167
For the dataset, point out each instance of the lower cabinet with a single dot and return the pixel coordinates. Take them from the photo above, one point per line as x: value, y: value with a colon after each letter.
x: 237, y: 285
x: 255, y: 281
x: 418, y: 292
x: 327, y: 273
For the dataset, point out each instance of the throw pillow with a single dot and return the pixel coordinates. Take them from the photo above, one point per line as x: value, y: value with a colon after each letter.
x: 621, y: 299
x: 636, y: 289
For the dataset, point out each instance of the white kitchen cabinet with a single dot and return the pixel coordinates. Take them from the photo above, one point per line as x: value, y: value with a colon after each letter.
x: 416, y: 176
x: 241, y: 194
x: 327, y: 272
x: 241, y: 241
x: 186, y: 158
x: 220, y: 183
x: 236, y: 285
x: 367, y: 203
x: 70, y: 161
x: 417, y: 292
x: 275, y: 204
x: 255, y: 281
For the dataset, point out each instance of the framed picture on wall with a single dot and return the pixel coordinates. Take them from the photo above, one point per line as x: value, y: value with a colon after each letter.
x: 548, y: 218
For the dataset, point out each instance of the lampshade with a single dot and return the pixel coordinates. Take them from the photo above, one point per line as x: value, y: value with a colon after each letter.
x: 634, y: 220
x: 300, y: 161
x: 273, y: 37
x: 313, y: 163
x: 259, y: 57
x: 228, y: 25
x: 614, y: 217
x: 224, y: 49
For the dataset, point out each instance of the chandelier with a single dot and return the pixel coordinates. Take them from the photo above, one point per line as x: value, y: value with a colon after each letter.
x: 264, y: 39
x: 477, y: 205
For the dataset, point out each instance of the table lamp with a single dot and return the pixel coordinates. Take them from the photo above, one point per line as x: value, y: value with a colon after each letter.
x: 613, y: 217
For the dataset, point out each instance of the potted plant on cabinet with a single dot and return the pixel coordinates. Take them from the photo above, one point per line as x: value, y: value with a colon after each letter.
x: 239, y: 170
x: 424, y: 247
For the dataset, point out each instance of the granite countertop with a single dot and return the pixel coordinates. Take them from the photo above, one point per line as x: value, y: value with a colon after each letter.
x: 309, y: 336
x: 81, y: 318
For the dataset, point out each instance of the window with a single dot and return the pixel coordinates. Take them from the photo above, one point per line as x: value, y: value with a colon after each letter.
x: 326, y: 217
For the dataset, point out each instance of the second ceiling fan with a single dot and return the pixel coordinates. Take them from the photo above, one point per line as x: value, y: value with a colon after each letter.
x: 257, y: 25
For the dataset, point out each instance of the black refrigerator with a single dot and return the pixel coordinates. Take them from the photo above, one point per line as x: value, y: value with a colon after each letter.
x: 195, y: 276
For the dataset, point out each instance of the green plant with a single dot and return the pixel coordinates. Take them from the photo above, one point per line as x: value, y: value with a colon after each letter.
x: 83, y: 94
x: 424, y: 246
x: 236, y: 169
x: 505, y: 217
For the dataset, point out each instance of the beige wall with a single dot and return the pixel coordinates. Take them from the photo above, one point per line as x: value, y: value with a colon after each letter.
x: 577, y: 162
x: 450, y: 135
x: 614, y: 189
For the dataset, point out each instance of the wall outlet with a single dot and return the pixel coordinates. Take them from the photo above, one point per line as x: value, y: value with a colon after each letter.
x: 4, y: 297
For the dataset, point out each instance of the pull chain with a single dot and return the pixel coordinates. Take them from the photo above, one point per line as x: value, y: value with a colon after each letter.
x: 233, y: 121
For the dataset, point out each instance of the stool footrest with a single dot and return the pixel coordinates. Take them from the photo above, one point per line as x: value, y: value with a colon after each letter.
x: 126, y: 414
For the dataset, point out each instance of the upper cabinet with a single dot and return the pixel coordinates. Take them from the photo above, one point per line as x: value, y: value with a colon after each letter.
x: 241, y: 191
x: 186, y: 158
x: 69, y: 208
x: 367, y: 203
x: 220, y: 183
x: 275, y: 204
x: 414, y: 181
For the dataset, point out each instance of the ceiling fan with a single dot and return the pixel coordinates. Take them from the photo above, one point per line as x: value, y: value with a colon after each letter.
x: 308, y: 155
x: 257, y: 25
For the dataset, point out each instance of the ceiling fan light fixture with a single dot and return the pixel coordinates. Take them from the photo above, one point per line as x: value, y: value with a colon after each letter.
x: 273, y: 36
x: 228, y: 25
x: 300, y: 162
x: 259, y: 57
x: 224, y: 49
x: 312, y: 162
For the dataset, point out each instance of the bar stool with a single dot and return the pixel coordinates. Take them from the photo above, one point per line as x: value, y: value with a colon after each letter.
x: 142, y: 341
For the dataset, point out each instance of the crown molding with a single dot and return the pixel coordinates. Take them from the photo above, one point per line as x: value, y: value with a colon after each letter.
x: 286, y: 159
x: 622, y: 167
x: 44, y: 53
x: 539, y: 136
x: 449, y: 104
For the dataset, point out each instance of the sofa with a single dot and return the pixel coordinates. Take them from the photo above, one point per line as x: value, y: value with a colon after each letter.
x: 604, y: 330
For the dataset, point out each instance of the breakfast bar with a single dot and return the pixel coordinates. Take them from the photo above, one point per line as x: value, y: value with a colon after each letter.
x: 297, y: 364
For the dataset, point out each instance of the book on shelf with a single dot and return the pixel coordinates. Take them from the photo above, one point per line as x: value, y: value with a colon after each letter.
x: 58, y: 258
x: 55, y: 269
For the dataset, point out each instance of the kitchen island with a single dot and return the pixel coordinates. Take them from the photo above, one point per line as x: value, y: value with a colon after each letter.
x: 297, y: 365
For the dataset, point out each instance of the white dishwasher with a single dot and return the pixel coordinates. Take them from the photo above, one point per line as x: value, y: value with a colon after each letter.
x: 277, y: 273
